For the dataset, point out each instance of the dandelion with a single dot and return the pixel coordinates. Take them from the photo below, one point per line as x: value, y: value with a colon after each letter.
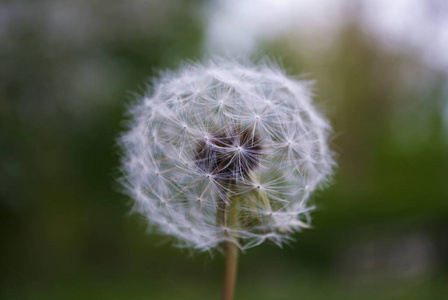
x: 224, y: 155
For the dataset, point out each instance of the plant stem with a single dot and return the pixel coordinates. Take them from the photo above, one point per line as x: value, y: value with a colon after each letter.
x: 231, y: 221
x: 231, y: 267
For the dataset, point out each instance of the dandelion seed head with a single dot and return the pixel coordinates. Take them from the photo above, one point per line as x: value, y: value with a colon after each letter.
x: 217, y: 132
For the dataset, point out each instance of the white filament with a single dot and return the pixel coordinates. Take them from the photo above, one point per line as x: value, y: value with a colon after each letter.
x: 176, y: 192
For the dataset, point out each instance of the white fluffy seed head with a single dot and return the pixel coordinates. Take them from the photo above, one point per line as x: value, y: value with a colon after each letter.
x: 225, y: 151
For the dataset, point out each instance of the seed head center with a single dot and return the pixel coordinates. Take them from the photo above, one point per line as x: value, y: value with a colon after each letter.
x: 213, y: 153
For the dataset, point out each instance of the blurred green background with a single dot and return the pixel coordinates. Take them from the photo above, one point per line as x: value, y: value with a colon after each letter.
x: 69, y: 68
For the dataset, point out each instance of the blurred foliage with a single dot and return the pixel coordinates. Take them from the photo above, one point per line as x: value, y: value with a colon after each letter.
x: 64, y: 227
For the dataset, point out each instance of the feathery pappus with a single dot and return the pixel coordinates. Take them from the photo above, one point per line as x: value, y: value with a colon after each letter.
x: 225, y: 151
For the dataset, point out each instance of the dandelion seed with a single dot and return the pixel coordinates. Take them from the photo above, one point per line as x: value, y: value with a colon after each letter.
x: 254, y: 122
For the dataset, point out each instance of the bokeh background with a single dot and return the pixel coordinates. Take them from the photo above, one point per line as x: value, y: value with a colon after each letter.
x: 69, y: 68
